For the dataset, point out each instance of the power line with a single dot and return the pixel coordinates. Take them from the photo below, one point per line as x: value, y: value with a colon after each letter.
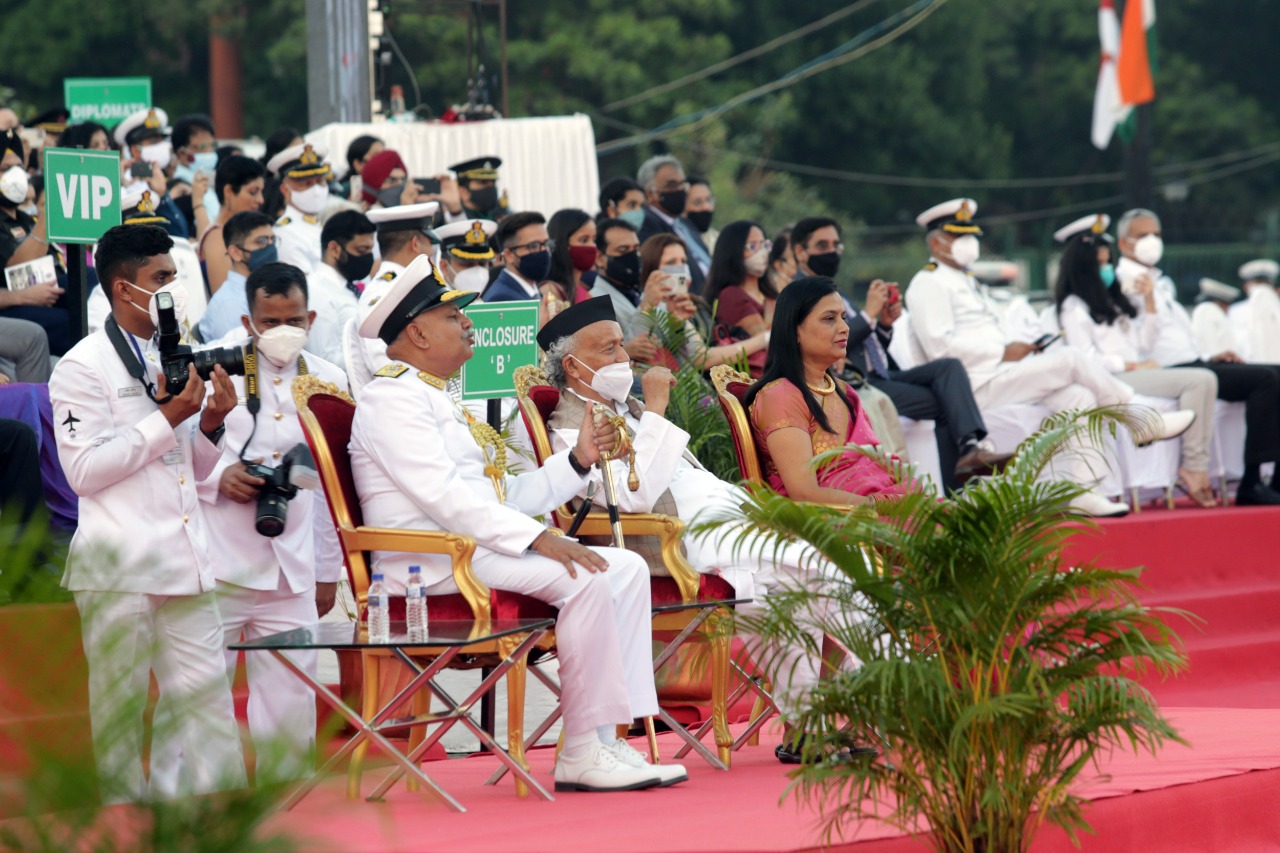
x: 740, y: 58
x: 857, y: 47
x: 1006, y: 219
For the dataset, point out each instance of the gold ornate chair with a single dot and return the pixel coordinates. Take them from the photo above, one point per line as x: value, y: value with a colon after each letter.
x: 326, y: 414
x: 704, y: 619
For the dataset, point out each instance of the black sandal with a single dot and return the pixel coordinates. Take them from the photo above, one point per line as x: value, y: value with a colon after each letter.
x: 792, y: 752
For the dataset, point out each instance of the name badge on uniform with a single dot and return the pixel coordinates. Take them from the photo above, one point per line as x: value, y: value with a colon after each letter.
x: 131, y: 391
x: 174, y: 457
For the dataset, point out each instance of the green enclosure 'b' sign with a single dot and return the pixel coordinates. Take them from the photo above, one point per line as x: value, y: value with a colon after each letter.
x: 81, y: 192
x: 505, y: 338
x: 106, y: 100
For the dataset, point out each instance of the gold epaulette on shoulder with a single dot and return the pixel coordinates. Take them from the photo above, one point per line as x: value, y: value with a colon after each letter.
x: 283, y: 220
x: 930, y: 267
x: 387, y: 276
x: 392, y: 370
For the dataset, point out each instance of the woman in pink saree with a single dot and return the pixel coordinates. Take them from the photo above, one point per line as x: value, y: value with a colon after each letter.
x: 799, y: 409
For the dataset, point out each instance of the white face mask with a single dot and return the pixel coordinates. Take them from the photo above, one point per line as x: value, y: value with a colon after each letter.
x: 311, y: 200
x: 965, y: 251
x: 758, y: 263
x: 14, y: 184
x: 1148, y: 250
x: 159, y: 153
x: 473, y: 279
x: 179, y: 302
x: 282, y: 345
x: 613, y: 381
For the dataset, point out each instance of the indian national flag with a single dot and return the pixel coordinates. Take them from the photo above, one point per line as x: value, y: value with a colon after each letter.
x: 1127, y: 67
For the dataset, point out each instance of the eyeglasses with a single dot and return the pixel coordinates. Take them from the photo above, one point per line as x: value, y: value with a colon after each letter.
x: 823, y: 246
x: 754, y: 246
x: 531, y: 248
x: 261, y: 243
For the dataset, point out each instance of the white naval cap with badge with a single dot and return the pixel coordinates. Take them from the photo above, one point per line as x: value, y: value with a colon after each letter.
x: 1212, y: 290
x: 300, y: 161
x: 406, y: 217
x: 151, y: 123
x: 1262, y: 269
x: 1094, y: 227
x: 465, y: 244
x: 416, y: 290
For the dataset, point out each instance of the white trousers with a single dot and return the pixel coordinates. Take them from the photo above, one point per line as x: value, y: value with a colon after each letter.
x: 1194, y: 388
x: 126, y: 636
x: 604, y: 634
x: 1060, y: 379
x: 282, y: 709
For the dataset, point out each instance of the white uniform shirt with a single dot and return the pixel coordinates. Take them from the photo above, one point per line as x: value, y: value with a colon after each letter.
x: 952, y: 319
x: 1212, y: 330
x: 136, y: 477
x: 1116, y: 344
x: 1256, y: 324
x: 663, y: 463
x: 375, y: 351
x: 416, y: 467
x: 298, y: 239
x: 308, y: 550
x: 1174, y: 341
x: 334, y: 304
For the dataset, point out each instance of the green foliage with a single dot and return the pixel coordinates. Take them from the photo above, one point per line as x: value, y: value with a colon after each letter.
x: 994, y: 672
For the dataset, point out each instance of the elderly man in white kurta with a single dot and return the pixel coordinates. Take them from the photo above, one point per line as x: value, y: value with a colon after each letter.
x: 950, y: 318
x: 587, y: 362
x: 418, y: 464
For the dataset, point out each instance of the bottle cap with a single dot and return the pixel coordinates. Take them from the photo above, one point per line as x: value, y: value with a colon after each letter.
x: 415, y: 570
x: 377, y: 576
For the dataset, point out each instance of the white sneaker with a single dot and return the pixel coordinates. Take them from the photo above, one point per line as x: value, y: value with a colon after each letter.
x: 600, y: 769
x: 1094, y: 504
x: 671, y: 774
x: 1167, y: 425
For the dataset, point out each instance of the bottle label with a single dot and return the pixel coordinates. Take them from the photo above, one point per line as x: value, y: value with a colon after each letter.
x: 415, y: 592
x: 379, y: 601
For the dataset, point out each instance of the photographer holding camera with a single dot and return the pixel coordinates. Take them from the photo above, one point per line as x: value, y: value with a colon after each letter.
x: 133, y: 448
x: 278, y: 560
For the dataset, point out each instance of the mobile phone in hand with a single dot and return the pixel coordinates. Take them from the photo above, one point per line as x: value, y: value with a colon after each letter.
x: 428, y: 185
x: 895, y: 295
x: 140, y: 169
x: 1045, y: 341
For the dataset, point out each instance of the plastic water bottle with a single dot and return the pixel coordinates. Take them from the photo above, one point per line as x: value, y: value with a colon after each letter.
x: 415, y: 604
x: 379, y: 611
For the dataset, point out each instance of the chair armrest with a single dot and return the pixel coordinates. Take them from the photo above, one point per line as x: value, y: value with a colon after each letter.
x: 459, y: 547
x: 667, y: 528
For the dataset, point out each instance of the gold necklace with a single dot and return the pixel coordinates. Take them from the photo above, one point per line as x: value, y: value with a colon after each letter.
x: 828, y: 389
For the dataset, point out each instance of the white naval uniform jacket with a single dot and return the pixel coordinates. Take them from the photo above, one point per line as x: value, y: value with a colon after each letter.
x: 1212, y: 330
x: 136, y: 477
x: 298, y: 239
x: 1256, y: 324
x: 417, y: 467
x: 375, y: 351
x: 951, y: 319
x: 308, y: 550
x: 334, y: 304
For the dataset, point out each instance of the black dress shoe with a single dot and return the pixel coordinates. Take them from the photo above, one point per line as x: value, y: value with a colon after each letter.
x: 792, y: 752
x: 1259, y: 494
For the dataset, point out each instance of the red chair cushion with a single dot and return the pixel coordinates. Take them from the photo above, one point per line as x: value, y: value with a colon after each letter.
x: 741, y: 443
x: 739, y: 390
x: 453, y: 608
x: 664, y: 592
x: 545, y: 398
x: 335, y: 415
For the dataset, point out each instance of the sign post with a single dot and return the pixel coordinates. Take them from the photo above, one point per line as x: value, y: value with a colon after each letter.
x: 82, y: 200
x: 106, y: 100
x: 505, y: 338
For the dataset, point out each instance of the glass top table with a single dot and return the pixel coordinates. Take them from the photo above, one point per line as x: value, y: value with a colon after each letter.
x: 355, y: 635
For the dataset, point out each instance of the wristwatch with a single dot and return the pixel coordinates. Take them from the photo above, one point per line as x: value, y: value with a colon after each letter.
x: 216, y: 435
x: 580, y: 469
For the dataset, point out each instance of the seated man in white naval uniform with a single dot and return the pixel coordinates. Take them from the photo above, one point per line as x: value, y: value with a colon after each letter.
x: 133, y: 449
x: 403, y: 232
x: 1256, y: 320
x: 304, y: 183
x: 1210, y: 323
x: 586, y: 361
x: 950, y: 318
x: 417, y: 464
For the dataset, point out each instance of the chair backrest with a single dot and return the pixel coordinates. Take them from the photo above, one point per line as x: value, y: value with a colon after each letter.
x: 326, y: 413
x: 537, y: 401
x: 731, y: 387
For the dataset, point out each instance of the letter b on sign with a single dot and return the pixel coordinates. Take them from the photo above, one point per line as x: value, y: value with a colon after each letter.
x: 84, y: 197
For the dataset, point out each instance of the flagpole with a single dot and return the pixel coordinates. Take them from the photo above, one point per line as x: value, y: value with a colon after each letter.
x: 1138, y: 191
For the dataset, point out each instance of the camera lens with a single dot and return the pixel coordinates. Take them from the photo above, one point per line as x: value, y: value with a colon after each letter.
x: 231, y: 359
x: 272, y: 509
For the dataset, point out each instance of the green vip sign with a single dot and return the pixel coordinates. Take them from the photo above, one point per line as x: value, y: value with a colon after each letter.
x: 106, y: 100
x: 81, y: 192
x: 505, y: 338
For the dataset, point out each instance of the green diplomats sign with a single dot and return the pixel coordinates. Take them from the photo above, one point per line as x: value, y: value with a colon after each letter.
x: 82, y: 193
x: 106, y: 100
x: 505, y: 338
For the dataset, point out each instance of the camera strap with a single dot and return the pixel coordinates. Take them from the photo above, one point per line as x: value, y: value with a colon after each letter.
x: 132, y: 360
x: 252, y: 401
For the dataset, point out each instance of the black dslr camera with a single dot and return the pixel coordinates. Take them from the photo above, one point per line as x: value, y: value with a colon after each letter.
x: 175, y: 356
x: 297, y: 470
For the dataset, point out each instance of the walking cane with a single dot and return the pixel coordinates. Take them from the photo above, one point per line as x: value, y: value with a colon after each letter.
x: 606, y: 471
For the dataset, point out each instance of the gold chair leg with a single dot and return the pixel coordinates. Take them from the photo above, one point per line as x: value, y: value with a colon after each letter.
x: 516, y: 680
x: 720, y: 638
x: 652, y: 735
x: 420, y: 704
x: 370, y: 687
x: 620, y: 731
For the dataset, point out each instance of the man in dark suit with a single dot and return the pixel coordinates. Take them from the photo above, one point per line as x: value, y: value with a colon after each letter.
x: 522, y: 239
x: 937, y: 391
x: 666, y: 190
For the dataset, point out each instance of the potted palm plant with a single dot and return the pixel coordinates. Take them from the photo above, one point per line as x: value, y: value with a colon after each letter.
x: 991, y: 673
